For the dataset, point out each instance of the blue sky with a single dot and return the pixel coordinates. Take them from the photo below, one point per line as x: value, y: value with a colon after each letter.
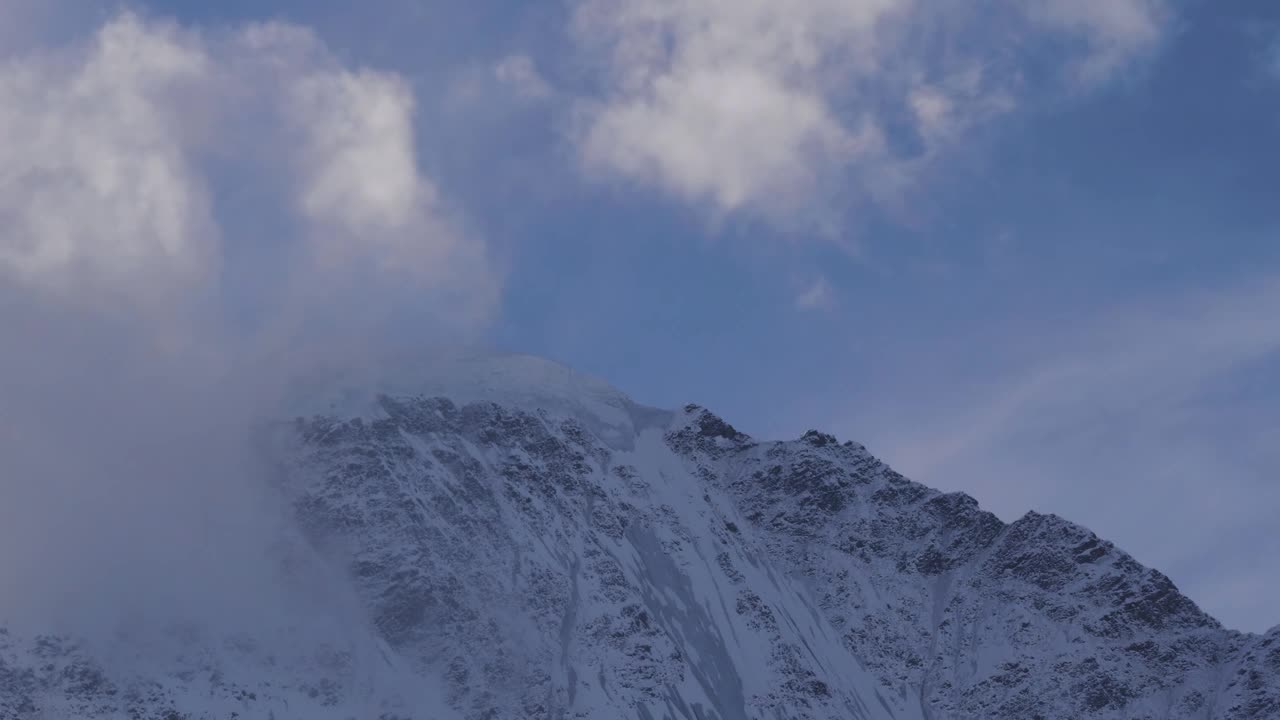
x: 1032, y: 255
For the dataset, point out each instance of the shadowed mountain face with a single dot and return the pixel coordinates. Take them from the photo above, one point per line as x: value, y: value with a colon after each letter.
x: 538, y: 546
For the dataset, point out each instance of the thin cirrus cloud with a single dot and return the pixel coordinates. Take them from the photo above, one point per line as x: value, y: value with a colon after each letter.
x: 1160, y: 407
x: 762, y: 107
x: 1133, y: 361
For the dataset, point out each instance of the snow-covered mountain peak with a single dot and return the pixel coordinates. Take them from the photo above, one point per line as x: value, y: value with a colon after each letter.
x: 510, y: 380
x: 534, y: 544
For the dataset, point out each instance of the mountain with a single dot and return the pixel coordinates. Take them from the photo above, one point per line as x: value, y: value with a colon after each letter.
x: 515, y: 540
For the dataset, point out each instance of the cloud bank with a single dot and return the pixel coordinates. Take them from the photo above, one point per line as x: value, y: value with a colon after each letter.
x: 189, y: 221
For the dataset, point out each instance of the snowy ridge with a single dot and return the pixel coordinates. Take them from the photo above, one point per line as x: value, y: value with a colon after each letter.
x: 511, y: 380
x: 519, y: 541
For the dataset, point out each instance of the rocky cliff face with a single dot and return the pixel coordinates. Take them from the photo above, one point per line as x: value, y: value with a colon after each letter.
x: 532, y: 544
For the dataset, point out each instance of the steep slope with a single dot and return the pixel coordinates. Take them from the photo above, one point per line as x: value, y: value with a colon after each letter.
x: 548, y: 574
x: 979, y: 619
x: 537, y: 545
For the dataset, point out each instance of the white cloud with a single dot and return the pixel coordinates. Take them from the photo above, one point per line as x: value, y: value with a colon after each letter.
x: 95, y: 178
x: 733, y: 136
x: 105, y: 174
x: 363, y: 196
x: 358, y: 142
x: 724, y: 102
x: 760, y: 106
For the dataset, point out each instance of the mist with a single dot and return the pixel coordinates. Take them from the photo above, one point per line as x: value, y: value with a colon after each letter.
x: 189, y: 225
x: 130, y: 485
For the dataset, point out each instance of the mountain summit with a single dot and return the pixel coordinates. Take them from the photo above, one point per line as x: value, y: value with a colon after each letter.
x: 511, y: 539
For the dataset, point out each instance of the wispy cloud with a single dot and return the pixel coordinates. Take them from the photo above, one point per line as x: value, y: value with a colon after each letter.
x: 520, y: 73
x: 1123, y: 365
x: 1114, y: 31
x: 1119, y: 422
x: 764, y: 107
